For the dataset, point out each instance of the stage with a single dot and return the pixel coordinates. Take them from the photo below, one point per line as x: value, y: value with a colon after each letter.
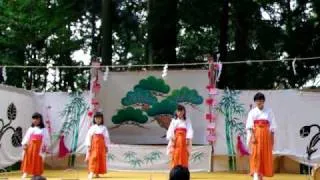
x: 82, y: 174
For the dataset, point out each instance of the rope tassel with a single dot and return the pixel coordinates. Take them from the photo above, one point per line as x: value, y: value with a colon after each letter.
x: 165, y: 71
x: 294, y: 67
x: 4, y: 74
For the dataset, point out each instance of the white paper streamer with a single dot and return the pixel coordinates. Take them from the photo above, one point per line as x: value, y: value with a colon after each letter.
x: 218, y: 57
x: 106, y: 74
x: 165, y: 71
x: 57, y: 73
x: 219, y: 71
x: 294, y: 67
x: 4, y: 73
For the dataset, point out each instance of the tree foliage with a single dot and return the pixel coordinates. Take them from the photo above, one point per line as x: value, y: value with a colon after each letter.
x: 165, y: 107
x: 46, y: 32
x: 185, y: 95
x: 138, y: 97
x: 153, y: 84
x: 129, y: 115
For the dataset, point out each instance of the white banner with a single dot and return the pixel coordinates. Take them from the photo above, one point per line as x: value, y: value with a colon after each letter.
x: 16, y: 109
x: 138, y: 106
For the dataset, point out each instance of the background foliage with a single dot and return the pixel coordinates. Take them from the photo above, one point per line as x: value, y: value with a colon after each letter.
x: 42, y: 32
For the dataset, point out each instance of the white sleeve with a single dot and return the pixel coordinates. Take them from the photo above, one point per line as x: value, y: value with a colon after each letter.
x: 189, y: 130
x: 273, y: 124
x: 26, y: 137
x: 249, y: 124
x: 106, y: 137
x: 87, y: 141
x: 170, y: 132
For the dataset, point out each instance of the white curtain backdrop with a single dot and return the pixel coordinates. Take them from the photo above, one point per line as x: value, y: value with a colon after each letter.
x: 293, y: 110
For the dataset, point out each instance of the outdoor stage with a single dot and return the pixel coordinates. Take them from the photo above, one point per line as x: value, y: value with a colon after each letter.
x: 82, y: 174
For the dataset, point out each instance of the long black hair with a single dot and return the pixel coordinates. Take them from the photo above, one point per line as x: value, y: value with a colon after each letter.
x: 37, y: 115
x: 179, y: 173
x: 181, y: 108
x: 98, y: 114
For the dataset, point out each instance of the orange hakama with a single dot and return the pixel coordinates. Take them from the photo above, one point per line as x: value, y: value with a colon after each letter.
x: 261, y: 160
x: 97, y: 155
x: 180, y: 154
x: 32, y: 161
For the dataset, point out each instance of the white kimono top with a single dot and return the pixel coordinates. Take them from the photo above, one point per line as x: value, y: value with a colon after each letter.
x: 37, y: 131
x: 97, y: 129
x: 178, y: 123
x: 257, y: 114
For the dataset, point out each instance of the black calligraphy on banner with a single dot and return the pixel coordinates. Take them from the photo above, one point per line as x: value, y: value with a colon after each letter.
x: 312, y: 145
x: 6, y: 127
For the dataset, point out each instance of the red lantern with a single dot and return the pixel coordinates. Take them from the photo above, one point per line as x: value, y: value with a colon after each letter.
x: 90, y: 113
x: 213, y: 91
x: 209, y: 87
x: 209, y: 101
x: 211, y: 138
x: 96, y: 87
x: 94, y: 101
x: 210, y: 117
x: 211, y: 128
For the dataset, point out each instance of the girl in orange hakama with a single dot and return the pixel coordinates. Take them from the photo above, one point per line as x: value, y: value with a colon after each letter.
x: 97, y: 141
x: 179, y: 135
x: 261, y: 126
x: 34, y: 144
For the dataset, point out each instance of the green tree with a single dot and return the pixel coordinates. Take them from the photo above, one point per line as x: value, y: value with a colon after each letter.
x: 27, y: 28
x: 156, y: 85
x: 163, y: 112
x: 130, y: 30
x: 130, y: 116
x: 139, y: 97
x: 185, y: 95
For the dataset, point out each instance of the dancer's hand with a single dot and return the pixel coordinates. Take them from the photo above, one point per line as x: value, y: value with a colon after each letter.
x: 253, y: 140
x: 25, y: 147
x: 86, y: 159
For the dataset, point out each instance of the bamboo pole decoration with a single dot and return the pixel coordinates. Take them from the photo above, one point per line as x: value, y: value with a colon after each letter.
x: 95, y: 87
x: 214, y: 72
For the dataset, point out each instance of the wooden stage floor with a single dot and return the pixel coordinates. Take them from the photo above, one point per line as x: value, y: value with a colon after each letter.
x: 82, y: 174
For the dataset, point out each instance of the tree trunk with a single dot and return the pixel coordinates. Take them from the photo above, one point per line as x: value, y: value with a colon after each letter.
x: 148, y: 47
x: 224, y: 21
x: 106, y: 32
x: 224, y: 31
x: 242, y: 22
x: 94, y: 43
x: 162, y: 21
